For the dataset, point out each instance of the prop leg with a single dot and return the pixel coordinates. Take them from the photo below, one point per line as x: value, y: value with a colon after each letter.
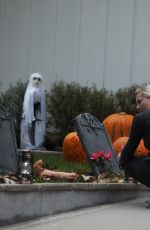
x: 39, y: 171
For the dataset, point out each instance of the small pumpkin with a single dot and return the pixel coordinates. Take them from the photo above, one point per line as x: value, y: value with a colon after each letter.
x: 118, y: 125
x: 121, y: 141
x: 72, y: 148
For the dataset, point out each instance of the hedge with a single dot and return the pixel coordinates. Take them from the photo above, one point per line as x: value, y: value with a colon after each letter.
x: 66, y: 100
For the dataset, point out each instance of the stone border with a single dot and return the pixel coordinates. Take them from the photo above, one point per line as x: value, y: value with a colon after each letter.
x: 24, y: 202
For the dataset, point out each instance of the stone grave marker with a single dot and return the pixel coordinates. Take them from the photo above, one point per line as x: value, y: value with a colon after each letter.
x: 8, y: 147
x: 94, y: 139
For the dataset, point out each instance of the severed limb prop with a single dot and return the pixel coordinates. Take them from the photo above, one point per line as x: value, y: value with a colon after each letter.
x: 38, y: 170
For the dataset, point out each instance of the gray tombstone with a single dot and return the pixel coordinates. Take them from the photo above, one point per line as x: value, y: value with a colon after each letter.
x: 93, y: 137
x: 8, y: 147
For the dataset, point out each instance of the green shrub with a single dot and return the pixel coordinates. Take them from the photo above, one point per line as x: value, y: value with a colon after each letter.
x: 101, y: 103
x: 125, y: 100
x: 67, y: 100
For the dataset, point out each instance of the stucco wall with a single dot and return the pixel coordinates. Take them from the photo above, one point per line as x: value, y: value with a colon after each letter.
x: 105, y: 42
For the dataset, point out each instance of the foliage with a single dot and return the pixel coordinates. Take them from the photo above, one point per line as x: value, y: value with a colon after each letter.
x: 101, y: 103
x: 64, y: 102
x: 67, y: 100
x: 125, y: 100
x: 57, y: 162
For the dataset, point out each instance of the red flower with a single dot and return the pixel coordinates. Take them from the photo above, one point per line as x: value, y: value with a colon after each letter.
x: 107, y: 156
x: 100, y: 154
x: 94, y: 156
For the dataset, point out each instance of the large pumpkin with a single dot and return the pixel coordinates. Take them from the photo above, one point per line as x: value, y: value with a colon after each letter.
x: 121, y: 141
x: 72, y: 148
x: 118, y: 125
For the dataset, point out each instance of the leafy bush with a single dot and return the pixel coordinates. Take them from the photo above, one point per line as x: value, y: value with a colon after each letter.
x: 125, y: 100
x: 67, y: 100
x: 101, y: 103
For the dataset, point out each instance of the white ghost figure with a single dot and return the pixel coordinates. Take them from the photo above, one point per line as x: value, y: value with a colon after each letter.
x: 33, y: 124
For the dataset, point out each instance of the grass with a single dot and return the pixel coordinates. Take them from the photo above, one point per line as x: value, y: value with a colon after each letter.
x: 58, y: 163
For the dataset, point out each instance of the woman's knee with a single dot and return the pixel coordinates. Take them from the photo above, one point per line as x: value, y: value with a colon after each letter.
x: 139, y: 169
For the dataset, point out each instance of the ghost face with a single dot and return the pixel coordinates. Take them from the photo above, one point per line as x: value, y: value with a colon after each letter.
x: 36, y: 81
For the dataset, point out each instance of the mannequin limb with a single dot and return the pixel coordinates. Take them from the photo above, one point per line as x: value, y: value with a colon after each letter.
x: 58, y: 175
x: 39, y: 171
x: 37, y: 168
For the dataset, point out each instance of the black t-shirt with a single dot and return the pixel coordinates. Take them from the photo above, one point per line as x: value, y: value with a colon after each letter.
x: 140, y: 129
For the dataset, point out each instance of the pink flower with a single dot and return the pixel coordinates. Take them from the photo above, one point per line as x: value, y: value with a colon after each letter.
x: 94, y: 156
x: 107, y: 156
x: 100, y: 154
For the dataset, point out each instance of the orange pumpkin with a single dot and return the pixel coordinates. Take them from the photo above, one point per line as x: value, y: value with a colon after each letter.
x: 72, y: 148
x: 118, y: 125
x: 121, y: 141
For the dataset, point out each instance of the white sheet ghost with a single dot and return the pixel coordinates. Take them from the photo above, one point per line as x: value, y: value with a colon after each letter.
x: 33, y: 124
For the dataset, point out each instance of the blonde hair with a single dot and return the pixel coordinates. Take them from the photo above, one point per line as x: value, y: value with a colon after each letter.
x: 144, y: 90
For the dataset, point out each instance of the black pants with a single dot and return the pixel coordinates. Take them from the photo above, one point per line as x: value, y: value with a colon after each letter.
x: 139, y: 169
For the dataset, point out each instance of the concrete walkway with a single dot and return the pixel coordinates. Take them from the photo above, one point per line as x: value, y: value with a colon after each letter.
x: 127, y: 215
x: 22, y: 202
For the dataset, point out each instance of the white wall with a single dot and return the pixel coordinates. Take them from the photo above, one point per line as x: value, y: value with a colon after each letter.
x: 106, y: 42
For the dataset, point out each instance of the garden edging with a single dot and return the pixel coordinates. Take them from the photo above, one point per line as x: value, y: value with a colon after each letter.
x: 21, y: 202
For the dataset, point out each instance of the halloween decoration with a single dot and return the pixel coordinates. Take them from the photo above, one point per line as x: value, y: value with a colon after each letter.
x: 121, y: 141
x: 38, y: 170
x: 8, y: 146
x: 34, y: 114
x: 118, y: 125
x: 72, y: 148
x: 96, y: 145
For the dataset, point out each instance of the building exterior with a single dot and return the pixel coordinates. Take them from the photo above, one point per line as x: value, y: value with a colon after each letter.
x: 102, y: 42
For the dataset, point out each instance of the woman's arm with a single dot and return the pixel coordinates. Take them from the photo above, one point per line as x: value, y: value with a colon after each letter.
x: 132, y: 143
